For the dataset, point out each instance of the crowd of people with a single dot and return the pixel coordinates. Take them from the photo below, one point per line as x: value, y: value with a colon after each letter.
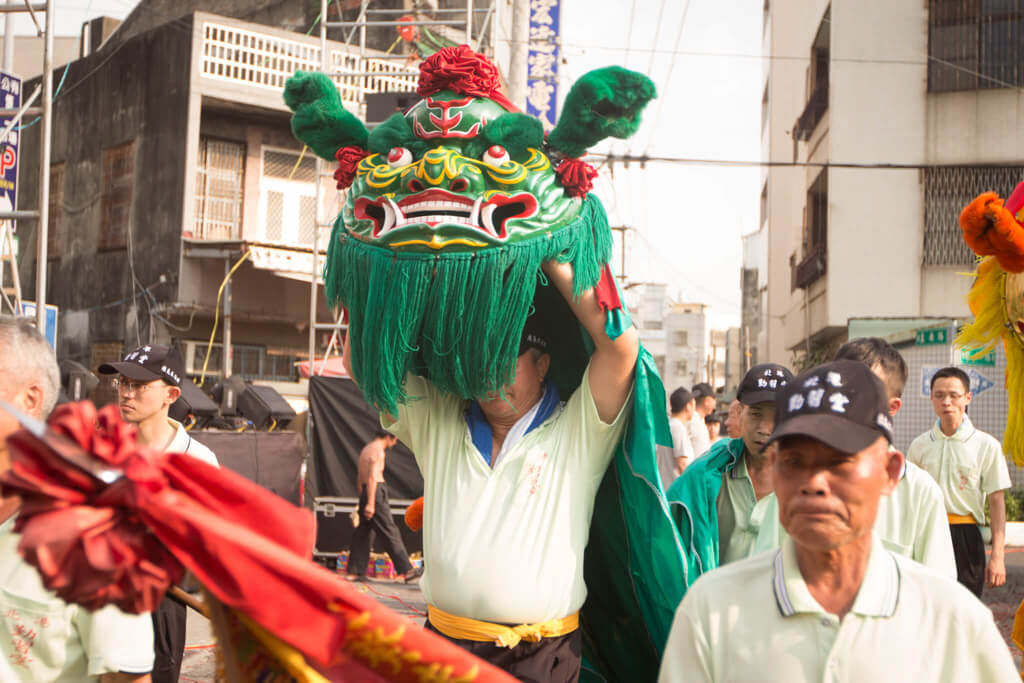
x: 824, y: 553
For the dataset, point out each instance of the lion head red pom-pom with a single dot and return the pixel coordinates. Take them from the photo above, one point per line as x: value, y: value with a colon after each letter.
x: 348, y: 163
x: 576, y: 177
x: 463, y: 71
x: 82, y: 535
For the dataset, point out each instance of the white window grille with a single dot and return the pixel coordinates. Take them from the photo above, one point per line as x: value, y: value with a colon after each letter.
x: 287, y: 207
x: 219, y: 173
x: 947, y: 190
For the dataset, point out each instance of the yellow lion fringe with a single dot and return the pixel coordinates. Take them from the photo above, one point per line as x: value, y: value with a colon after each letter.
x: 987, y: 302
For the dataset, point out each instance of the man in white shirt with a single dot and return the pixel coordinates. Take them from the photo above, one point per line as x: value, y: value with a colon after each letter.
x: 147, y: 385
x: 42, y: 638
x: 704, y: 400
x: 969, y: 466
x: 832, y: 604
x: 509, y: 486
x: 672, y: 462
x: 912, y: 519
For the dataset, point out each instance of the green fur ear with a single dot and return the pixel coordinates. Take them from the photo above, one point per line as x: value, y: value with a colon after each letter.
x: 603, y: 103
x: 395, y: 132
x: 517, y: 133
x: 319, y: 120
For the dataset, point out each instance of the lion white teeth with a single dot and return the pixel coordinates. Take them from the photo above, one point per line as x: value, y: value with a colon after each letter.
x: 487, y: 219
x: 474, y: 216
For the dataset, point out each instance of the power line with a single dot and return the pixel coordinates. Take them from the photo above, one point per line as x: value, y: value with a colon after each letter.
x: 657, y: 32
x: 668, y: 78
x: 693, y: 161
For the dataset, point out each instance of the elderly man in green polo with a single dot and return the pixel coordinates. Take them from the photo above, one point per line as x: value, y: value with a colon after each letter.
x: 832, y: 604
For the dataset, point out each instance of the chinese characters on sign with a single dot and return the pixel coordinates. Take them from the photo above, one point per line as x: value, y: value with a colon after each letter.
x: 931, y: 336
x: 542, y: 61
x: 10, y: 98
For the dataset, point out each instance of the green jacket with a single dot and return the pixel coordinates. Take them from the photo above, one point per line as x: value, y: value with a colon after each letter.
x: 693, y: 500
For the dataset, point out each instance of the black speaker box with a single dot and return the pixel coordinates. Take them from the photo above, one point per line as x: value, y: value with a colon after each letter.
x: 263, y: 406
x: 192, y: 402
x: 227, y: 393
x: 334, y: 525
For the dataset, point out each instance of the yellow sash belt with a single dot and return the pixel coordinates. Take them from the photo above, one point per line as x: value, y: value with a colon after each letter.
x: 961, y: 519
x: 465, y: 628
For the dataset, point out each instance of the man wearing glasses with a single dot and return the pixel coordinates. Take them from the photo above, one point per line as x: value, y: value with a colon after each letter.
x: 969, y: 466
x: 148, y: 382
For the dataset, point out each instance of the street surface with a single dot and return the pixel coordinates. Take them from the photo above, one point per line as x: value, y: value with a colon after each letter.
x: 200, y: 662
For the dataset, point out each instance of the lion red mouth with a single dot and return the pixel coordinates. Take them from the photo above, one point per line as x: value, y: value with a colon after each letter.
x: 439, y: 207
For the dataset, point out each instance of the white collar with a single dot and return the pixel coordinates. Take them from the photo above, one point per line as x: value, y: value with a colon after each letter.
x: 877, y: 597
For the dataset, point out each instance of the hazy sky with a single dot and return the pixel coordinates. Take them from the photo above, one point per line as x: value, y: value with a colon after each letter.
x: 687, y: 219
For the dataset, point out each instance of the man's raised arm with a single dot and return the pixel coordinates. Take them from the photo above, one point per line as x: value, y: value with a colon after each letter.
x: 611, y: 366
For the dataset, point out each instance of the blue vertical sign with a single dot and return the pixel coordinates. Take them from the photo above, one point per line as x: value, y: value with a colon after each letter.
x: 542, y: 61
x: 10, y: 98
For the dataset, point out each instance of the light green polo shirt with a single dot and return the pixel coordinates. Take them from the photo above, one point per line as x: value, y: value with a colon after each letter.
x: 968, y: 466
x: 506, y: 544
x: 740, y: 514
x: 43, y: 638
x: 756, y: 620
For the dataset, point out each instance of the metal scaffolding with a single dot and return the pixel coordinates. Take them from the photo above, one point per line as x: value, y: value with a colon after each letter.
x: 41, y: 214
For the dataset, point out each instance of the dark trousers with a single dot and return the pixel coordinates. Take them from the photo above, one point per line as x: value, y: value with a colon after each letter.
x: 969, y: 551
x: 550, y: 660
x: 382, y: 523
x: 168, y: 640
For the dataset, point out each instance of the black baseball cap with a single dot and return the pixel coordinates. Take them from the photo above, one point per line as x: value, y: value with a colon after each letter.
x: 148, y: 363
x: 842, y: 404
x: 762, y: 382
x: 532, y: 338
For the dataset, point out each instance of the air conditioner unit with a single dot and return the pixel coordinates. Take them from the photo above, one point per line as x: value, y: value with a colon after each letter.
x: 195, y: 353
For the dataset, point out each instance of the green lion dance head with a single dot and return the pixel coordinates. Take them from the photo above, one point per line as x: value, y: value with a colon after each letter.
x: 453, y: 205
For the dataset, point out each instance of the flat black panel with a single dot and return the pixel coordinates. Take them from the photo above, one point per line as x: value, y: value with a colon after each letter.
x: 342, y: 424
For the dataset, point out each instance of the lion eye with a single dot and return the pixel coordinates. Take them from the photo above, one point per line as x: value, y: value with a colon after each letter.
x: 496, y: 155
x: 399, y: 156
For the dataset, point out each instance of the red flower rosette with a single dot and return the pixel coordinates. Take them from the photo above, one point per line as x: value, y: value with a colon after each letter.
x: 462, y: 71
x: 576, y: 176
x: 105, y: 519
x: 348, y: 163
x: 72, y: 526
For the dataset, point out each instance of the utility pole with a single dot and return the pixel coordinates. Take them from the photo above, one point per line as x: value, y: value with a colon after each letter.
x: 9, y: 39
x: 45, y: 140
x: 519, y: 38
x: 622, y: 229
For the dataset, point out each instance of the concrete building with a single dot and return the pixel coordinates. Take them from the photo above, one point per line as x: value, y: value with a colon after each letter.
x: 718, y: 352
x: 734, y: 358
x: 754, y: 296
x: 852, y: 86
x: 647, y: 303
x: 686, y: 334
x: 676, y: 334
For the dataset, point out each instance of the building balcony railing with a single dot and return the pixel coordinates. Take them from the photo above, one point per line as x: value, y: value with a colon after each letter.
x: 811, y: 268
x: 261, y: 59
x: 812, y: 114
